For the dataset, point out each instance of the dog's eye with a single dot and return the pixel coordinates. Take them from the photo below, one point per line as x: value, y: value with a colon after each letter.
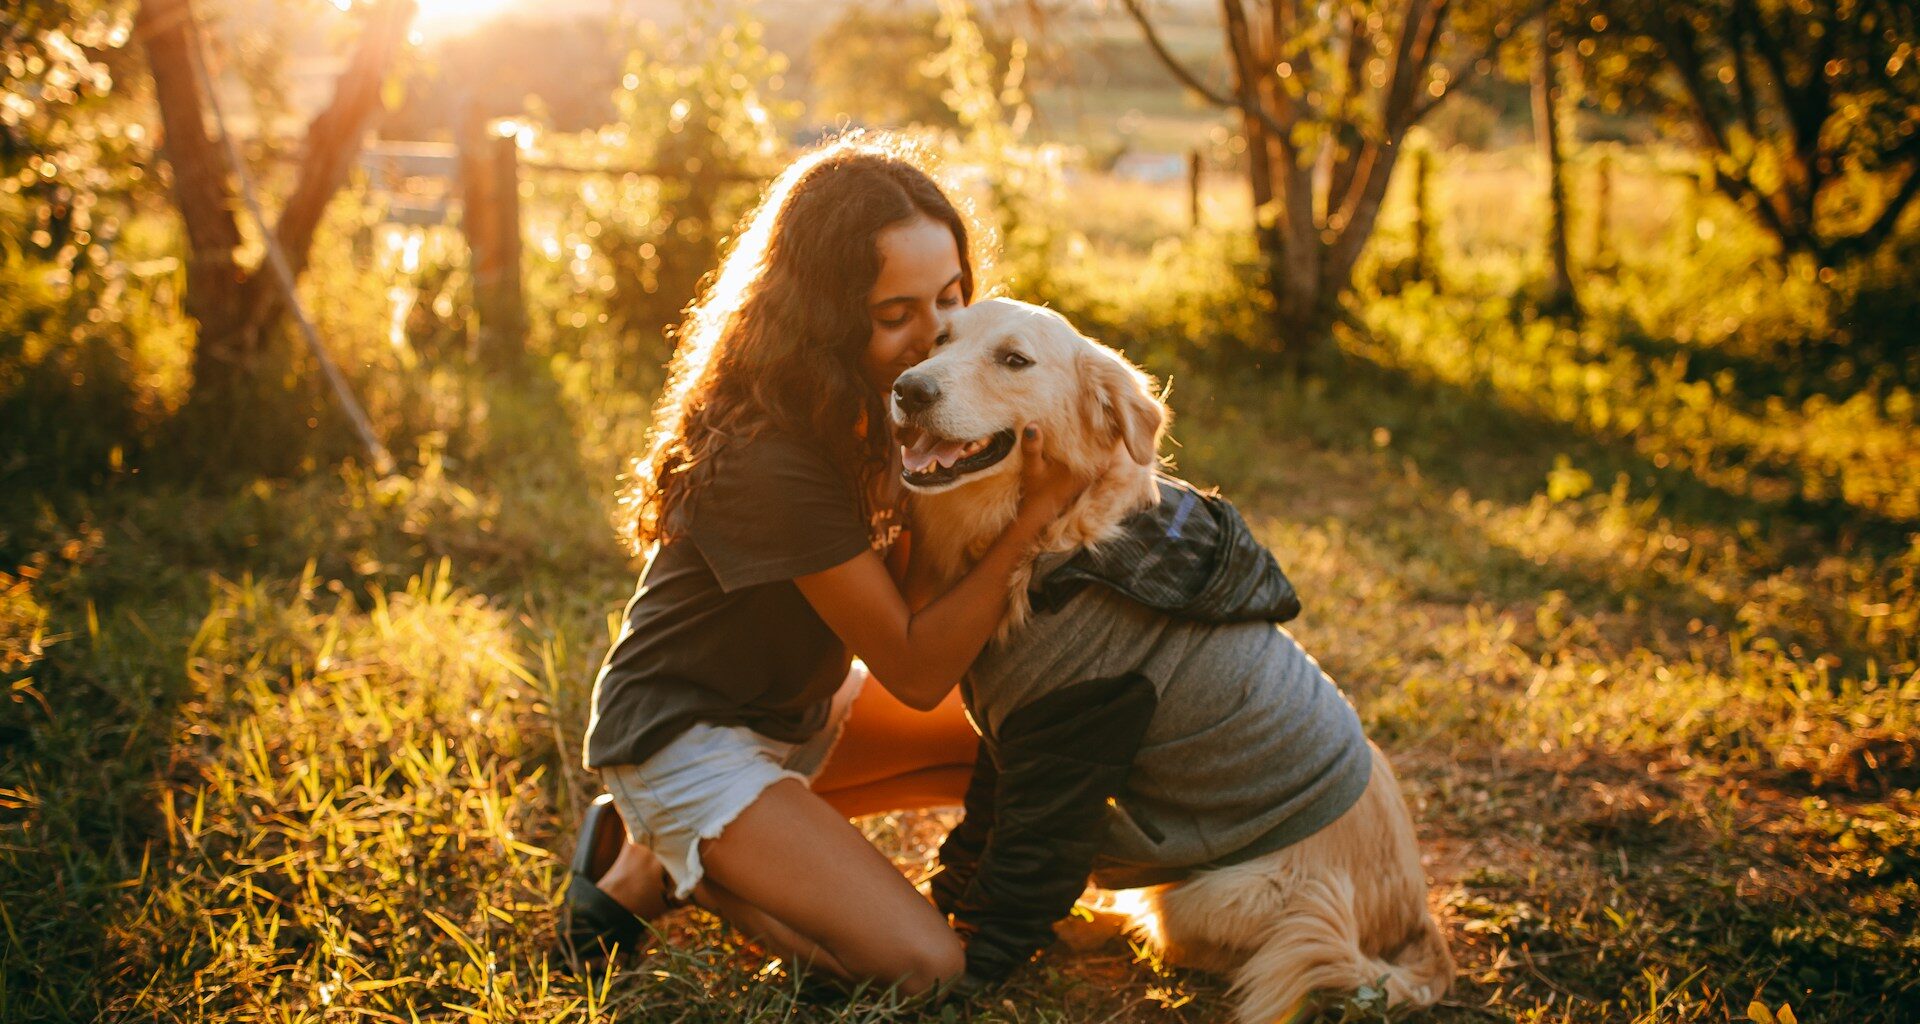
x: 1014, y: 361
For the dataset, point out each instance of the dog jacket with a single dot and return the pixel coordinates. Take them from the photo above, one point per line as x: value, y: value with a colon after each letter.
x: 1148, y: 721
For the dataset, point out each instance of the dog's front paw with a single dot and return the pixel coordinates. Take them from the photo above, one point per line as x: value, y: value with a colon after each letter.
x: 1088, y: 929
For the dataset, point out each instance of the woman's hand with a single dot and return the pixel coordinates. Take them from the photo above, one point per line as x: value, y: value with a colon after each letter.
x: 918, y: 648
x: 1046, y: 487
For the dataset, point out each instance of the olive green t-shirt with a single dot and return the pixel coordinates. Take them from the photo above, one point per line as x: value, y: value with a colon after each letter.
x: 717, y: 632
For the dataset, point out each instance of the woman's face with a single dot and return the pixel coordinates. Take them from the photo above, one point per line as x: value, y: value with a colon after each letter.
x: 917, y: 290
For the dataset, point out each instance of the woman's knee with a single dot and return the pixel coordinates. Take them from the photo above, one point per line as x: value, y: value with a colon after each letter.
x: 929, y: 961
x: 914, y: 962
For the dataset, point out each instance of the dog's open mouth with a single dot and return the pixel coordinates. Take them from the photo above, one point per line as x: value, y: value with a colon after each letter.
x: 930, y: 460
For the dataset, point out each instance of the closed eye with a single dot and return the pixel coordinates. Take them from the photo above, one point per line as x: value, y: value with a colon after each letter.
x: 1014, y: 361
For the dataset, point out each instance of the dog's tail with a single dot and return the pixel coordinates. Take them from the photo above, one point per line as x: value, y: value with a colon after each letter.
x: 1315, y: 947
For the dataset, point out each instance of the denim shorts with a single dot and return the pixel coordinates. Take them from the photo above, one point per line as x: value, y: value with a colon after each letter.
x: 694, y: 787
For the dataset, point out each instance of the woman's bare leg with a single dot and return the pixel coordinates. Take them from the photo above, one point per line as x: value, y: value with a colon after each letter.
x: 796, y: 861
x: 634, y: 881
x: 893, y: 758
x: 769, y: 932
x: 889, y: 757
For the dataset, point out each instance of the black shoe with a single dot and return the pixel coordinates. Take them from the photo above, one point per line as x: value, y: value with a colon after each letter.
x: 593, y: 925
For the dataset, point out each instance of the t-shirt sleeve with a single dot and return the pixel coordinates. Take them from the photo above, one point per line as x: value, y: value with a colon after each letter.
x: 774, y: 509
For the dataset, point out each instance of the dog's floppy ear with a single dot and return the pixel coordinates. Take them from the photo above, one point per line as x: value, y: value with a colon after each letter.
x: 1124, y: 402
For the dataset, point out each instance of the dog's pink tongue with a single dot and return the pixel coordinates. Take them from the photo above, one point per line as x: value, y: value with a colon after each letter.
x: 926, y: 451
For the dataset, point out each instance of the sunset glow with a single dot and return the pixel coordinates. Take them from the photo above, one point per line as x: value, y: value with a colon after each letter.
x: 464, y: 453
x: 441, y: 19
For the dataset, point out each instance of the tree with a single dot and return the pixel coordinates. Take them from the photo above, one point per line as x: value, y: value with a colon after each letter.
x: 239, y: 308
x: 1560, y: 295
x: 1325, y: 94
x: 1807, y: 108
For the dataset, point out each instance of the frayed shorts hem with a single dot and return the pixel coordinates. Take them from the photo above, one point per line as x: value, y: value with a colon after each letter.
x: 693, y: 788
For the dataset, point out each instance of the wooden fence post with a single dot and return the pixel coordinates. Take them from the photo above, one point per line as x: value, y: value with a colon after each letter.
x: 1425, y: 266
x: 1603, y: 254
x: 1693, y: 210
x: 490, y: 218
x: 508, y: 301
x: 1193, y: 187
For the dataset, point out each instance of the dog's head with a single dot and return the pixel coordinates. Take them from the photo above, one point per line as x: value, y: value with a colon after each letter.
x: 1006, y: 364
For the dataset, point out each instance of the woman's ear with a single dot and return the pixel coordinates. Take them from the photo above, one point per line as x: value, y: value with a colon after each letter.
x: 1125, y: 400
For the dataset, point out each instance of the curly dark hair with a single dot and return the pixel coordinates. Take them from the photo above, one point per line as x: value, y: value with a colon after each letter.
x: 775, y: 339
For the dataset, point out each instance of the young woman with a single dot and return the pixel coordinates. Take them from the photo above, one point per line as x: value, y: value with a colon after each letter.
x: 731, y: 736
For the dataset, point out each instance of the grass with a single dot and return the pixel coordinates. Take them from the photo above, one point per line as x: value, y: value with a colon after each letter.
x: 1631, y: 605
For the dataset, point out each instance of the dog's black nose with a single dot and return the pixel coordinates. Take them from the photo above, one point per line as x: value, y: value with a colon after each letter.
x: 913, y: 393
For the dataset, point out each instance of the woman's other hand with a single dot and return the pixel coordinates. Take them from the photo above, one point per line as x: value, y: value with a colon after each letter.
x: 1047, y: 487
x: 919, y: 650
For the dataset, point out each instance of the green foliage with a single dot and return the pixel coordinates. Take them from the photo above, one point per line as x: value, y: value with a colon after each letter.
x: 702, y: 107
x: 64, y: 146
x: 992, y: 116
x: 867, y: 45
x: 81, y: 288
x: 92, y: 357
x: 1809, y: 111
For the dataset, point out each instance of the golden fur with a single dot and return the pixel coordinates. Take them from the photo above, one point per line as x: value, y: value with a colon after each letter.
x: 1096, y: 411
x: 1344, y: 908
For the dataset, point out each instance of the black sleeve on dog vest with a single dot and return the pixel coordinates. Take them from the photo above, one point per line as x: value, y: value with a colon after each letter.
x: 960, y: 851
x: 1059, y: 759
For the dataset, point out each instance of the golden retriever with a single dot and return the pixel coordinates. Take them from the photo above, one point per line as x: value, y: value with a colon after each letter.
x: 1342, y: 909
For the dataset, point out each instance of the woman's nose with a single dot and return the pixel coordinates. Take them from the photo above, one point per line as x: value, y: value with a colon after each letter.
x: 929, y: 336
x: 942, y: 327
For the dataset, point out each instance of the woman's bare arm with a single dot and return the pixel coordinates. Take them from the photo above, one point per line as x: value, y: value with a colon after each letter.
x: 919, y: 656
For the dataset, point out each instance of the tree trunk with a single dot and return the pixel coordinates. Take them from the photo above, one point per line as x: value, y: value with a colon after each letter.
x: 1559, y: 297
x: 203, y: 193
x: 1268, y: 213
x: 240, y: 369
x: 1299, y: 99
x: 333, y: 142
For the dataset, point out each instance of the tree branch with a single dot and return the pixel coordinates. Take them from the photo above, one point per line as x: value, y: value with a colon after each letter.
x: 1502, y: 35
x: 1412, y: 58
x: 1742, y: 78
x: 1806, y: 104
x: 1348, y: 142
x: 332, y: 145
x: 1741, y: 189
x: 1679, y: 41
x: 1192, y: 81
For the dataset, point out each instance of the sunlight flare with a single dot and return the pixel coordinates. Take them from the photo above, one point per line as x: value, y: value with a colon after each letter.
x: 445, y: 19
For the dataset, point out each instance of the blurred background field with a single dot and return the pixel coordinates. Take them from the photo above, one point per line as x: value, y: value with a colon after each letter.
x: 1629, y: 591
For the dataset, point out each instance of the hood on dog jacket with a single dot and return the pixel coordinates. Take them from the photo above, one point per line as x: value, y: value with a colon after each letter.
x: 1148, y: 721
x: 1190, y: 556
